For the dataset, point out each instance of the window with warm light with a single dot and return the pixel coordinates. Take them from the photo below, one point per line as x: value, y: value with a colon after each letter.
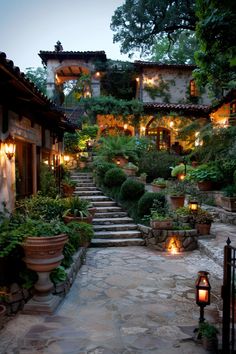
x: 193, y: 89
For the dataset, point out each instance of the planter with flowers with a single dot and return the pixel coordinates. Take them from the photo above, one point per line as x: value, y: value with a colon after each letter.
x: 203, y: 220
x: 68, y: 186
x: 158, y: 184
x: 204, y: 175
x: 76, y: 209
x: 130, y: 169
x: 176, y: 193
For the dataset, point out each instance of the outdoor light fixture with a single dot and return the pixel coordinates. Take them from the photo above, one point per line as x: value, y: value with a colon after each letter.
x: 66, y: 158
x: 125, y: 126
x: 203, y: 290
x: 118, y: 162
x: 193, y: 205
x: 10, y: 147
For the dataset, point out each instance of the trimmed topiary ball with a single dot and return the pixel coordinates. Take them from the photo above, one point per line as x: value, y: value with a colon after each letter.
x: 114, y: 177
x: 131, y: 189
x: 146, y: 202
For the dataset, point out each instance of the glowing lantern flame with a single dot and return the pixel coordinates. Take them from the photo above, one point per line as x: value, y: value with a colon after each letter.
x: 172, y: 248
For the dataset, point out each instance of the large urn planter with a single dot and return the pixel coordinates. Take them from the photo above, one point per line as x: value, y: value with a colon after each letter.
x: 228, y: 203
x: 67, y: 190
x: 158, y: 187
x: 43, y: 254
x: 177, y: 201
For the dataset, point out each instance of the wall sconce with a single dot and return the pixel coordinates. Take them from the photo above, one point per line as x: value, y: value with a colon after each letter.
x: 66, y: 158
x: 125, y: 126
x: 118, y: 162
x: 10, y: 147
x: 193, y: 206
x: 97, y: 74
x: 203, y: 290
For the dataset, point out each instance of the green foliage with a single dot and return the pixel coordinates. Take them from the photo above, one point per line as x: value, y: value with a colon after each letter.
x: 216, y: 33
x: 157, y: 164
x: 180, y: 50
x: 40, y: 207
x: 58, y: 275
x: 131, y: 189
x: 131, y: 166
x: 68, y: 182
x: 207, y: 330
x: 229, y: 191
x: 39, y: 77
x: 100, y: 168
x: 159, y: 182
x: 160, y: 88
x: 205, y: 172
x: 180, y: 169
x: 113, y: 146
x: 203, y: 217
x: 75, y: 206
x: 119, y: 80
x: 121, y: 109
x: 71, y: 142
x: 137, y: 23
x: 177, y: 188
x: 114, y: 177
x: 48, y: 186
x: 145, y: 203
x: 79, y: 232
x: 39, y: 228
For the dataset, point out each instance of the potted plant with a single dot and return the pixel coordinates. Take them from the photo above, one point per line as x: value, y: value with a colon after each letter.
x: 143, y: 177
x: 183, y: 214
x: 203, y: 220
x: 43, y: 244
x: 80, y: 234
x: 228, y: 200
x: 158, y: 184
x: 82, y: 162
x: 76, y: 209
x: 176, y: 193
x: 204, y: 175
x: 208, y: 334
x: 159, y: 221
x: 180, y: 171
x: 130, y: 169
x: 68, y: 186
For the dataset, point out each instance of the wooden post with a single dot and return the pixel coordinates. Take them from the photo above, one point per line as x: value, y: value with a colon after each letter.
x: 226, y: 298
x: 34, y: 169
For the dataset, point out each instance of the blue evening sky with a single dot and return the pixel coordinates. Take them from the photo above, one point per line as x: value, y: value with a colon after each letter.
x: 28, y: 26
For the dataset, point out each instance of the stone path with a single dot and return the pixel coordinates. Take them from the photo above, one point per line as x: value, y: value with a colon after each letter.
x: 125, y: 300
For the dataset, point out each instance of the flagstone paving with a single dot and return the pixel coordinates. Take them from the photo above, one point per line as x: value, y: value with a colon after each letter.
x: 125, y: 300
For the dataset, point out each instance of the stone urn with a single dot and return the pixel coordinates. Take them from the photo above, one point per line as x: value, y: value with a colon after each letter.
x: 157, y: 187
x: 43, y: 254
x: 204, y: 185
x: 69, y: 218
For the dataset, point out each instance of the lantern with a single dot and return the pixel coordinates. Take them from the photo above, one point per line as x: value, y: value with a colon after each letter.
x: 203, y: 290
x: 10, y: 147
x: 66, y: 158
x: 193, y: 206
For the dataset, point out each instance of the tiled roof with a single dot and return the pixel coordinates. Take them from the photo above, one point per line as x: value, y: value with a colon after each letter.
x: 229, y: 97
x: 203, y: 110
x: 155, y: 64
x: 46, y: 55
x: 8, y: 66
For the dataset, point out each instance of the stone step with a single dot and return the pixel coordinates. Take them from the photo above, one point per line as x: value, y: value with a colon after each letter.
x: 110, y: 215
x: 105, y: 203
x: 85, y: 185
x: 88, y: 192
x: 117, y: 242
x: 89, y: 188
x: 93, y: 198
x: 117, y: 234
x: 114, y: 227
x: 108, y: 209
x: 109, y: 221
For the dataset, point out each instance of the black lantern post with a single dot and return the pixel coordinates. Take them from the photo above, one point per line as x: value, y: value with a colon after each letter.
x: 203, y: 290
x: 193, y: 206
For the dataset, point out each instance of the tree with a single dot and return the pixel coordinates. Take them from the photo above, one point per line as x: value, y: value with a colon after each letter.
x: 216, y: 33
x: 180, y: 50
x: 138, y: 22
x: 38, y: 76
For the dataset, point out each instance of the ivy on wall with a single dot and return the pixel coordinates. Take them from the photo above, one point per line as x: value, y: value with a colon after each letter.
x: 159, y: 88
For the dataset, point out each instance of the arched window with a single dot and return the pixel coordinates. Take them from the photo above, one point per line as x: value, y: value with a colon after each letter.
x: 193, y: 89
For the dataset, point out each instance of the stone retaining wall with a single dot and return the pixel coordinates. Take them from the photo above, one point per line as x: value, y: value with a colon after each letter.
x: 165, y: 240
x: 221, y: 215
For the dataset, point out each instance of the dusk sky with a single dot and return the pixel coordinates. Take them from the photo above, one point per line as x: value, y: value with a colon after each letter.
x: 28, y: 26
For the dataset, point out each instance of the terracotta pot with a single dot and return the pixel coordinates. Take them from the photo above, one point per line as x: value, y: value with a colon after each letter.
x: 162, y: 224
x: 203, y: 229
x: 43, y: 254
x: 205, y: 186
x: 129, y: 171
x: 210, y: 344
x: 158, y: 187
x: 177, y: 201
x: 228, y: 203
x: 68, y: 218
x: 92, y: 211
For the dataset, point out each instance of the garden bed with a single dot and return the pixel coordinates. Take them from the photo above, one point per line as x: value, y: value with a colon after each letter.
x: 170, y: 240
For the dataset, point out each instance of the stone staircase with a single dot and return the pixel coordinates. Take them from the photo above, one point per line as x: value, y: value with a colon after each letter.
x: 112, y: 226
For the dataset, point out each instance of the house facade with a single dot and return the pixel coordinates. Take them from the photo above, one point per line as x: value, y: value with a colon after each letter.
x: 33, y: 126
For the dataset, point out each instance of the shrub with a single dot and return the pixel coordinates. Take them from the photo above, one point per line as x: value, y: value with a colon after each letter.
x: 101, y: 167
x: 114, y: 177
x: 146, y: 202
x: 48, y: 186
x: 79, y: 232
x: 131, y: 189
x: 157, y: 164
